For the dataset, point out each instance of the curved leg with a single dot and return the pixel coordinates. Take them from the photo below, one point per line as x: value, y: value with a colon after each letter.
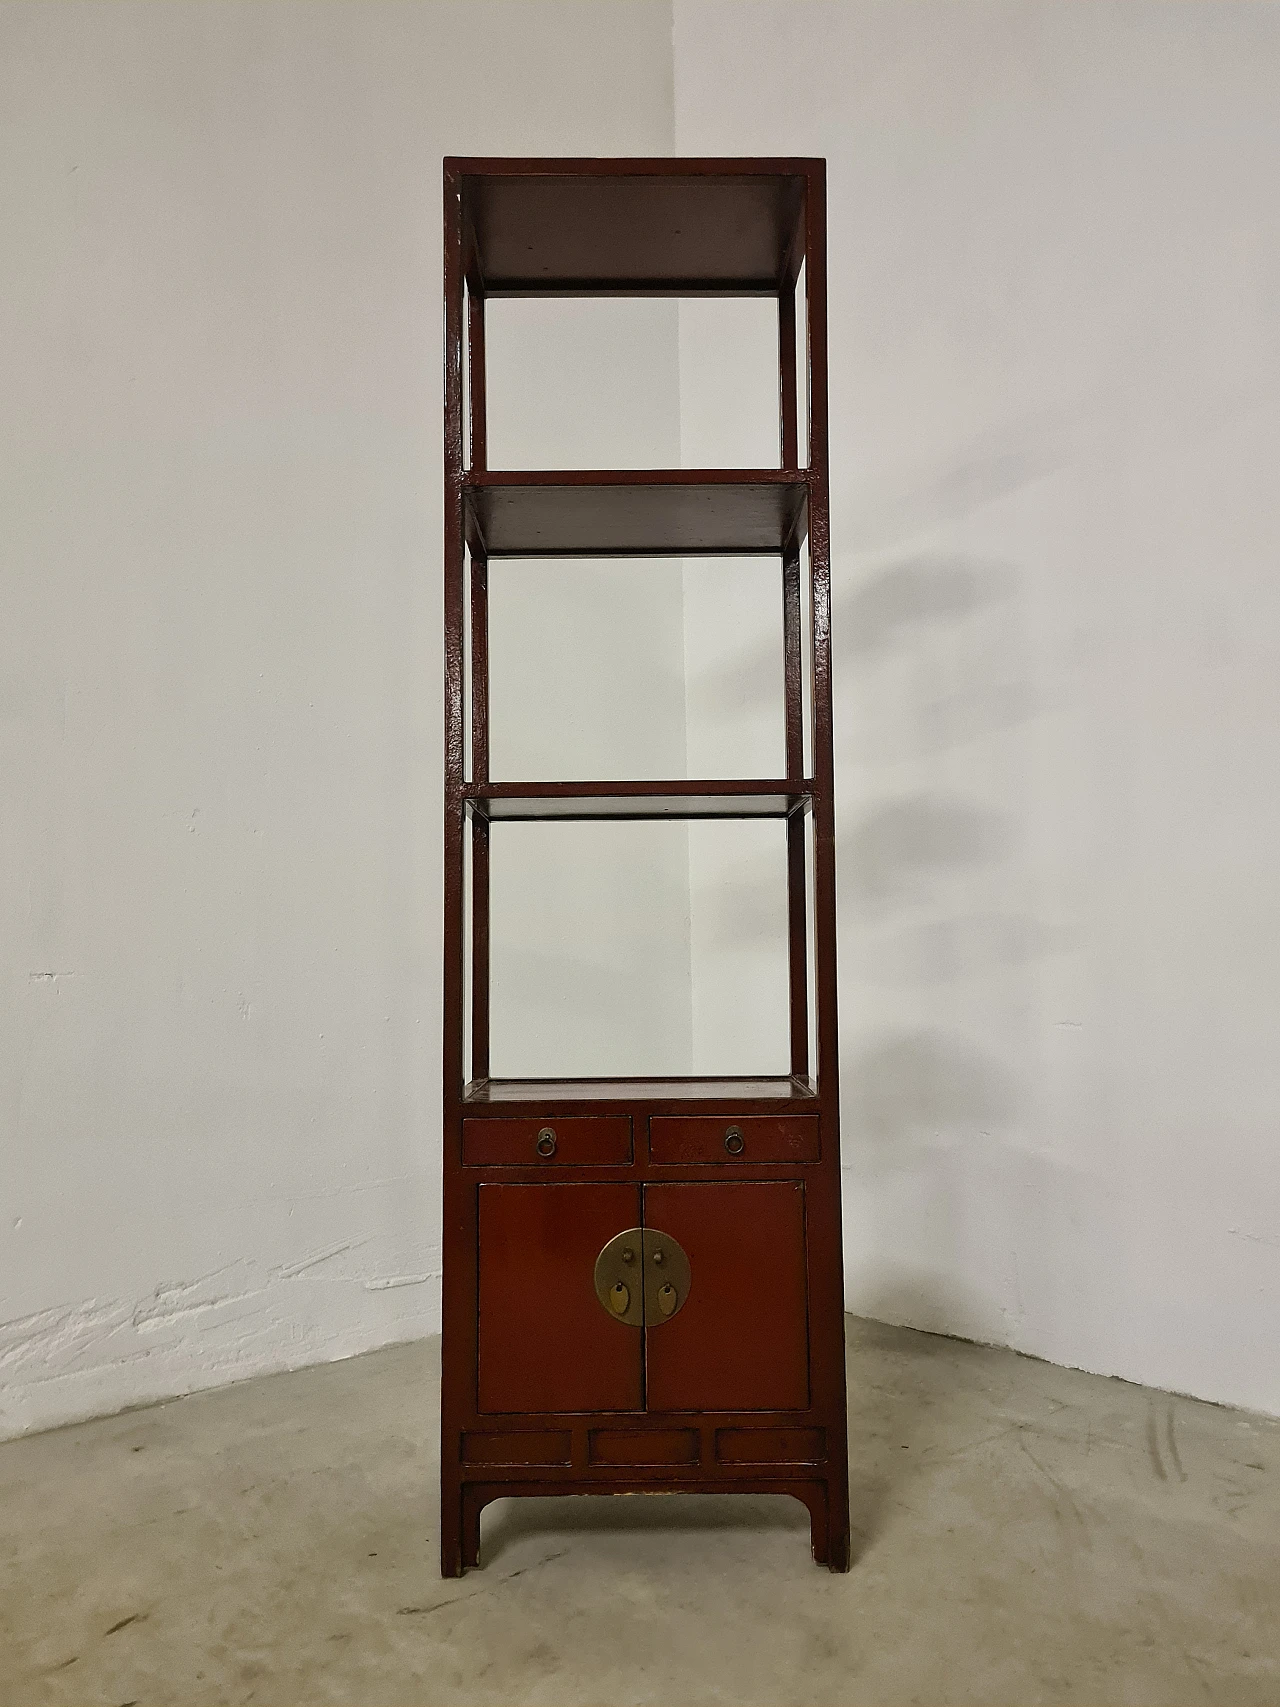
x: 473, y: 1503
x: 451, y: 1562
x: 814, y: 1495
x: 838, y: 1553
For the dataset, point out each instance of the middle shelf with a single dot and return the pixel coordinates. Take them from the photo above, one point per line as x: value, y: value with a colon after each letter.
x: 538, y: 802
x: 635, y: 512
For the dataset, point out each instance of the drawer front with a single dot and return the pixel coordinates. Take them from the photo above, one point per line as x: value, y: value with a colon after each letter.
x: 547, y: 1142
x: 744, y: 1139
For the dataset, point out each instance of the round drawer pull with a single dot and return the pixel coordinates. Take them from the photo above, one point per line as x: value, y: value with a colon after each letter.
x: 546, y: 1144
x: 734, y: 1142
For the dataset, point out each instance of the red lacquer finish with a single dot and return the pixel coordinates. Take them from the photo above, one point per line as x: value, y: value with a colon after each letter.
x: 545, y: 1343
x: 740, y: 1343
x: 741, y: 1388
x: 739, y: 1141
x: 533, y: 1141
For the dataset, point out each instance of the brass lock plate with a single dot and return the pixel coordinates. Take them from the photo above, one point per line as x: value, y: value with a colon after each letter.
x: 619, y: 1278
x: 666, y: 1277
x: 642, y: 1277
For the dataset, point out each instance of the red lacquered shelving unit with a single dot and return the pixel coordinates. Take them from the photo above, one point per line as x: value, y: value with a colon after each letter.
x: 642, y: 1277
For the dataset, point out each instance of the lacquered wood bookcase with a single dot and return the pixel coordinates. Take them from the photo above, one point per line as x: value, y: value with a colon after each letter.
x: 642, y: 1279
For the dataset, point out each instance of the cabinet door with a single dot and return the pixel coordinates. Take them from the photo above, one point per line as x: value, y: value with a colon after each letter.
x: 740, y: 1342
x: 545, y: 1342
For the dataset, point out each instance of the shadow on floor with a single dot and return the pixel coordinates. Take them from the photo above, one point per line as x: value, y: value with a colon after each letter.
x: 888, y: 1404
x: 507, y: 1521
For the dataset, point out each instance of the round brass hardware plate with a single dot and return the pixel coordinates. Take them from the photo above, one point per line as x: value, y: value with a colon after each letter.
x: 616, y: 1278
x: 734, y: 1142
x: 651, y: 1297
x: 667, y: 1277
x: 546, y: 1144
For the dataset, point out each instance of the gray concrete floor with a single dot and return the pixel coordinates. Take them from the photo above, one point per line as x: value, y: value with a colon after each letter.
x: 1025, y: 1534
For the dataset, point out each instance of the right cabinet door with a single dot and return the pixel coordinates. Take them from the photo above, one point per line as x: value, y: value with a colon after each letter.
x: 740, y: 1342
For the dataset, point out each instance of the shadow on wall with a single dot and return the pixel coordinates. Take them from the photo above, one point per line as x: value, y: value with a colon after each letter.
x: 939, y: 944
x: 931, y: 587
x: 930, y: 1108
x: 900, y: 849
x: 932, y: 648
x: 907, y: 1088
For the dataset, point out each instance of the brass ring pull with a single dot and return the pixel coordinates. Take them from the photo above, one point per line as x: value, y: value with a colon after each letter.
x: 734, y: 1142
x: 546, y: 1144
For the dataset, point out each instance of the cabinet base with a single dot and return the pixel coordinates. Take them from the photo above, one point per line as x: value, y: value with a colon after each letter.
x: 462, y: 1504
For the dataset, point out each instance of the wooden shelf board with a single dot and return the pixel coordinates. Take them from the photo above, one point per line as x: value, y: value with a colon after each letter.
x: 542, y: 802
x: 733, y: 1090
x: 635, y: 512
x: 541, y: 226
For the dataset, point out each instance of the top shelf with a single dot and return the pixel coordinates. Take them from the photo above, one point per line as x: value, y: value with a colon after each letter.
x: 632, y: 227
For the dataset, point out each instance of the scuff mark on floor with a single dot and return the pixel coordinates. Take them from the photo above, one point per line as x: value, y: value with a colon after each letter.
x: 1172, y: 1443
x: 1153, y: 1448
x: 123, y: 1623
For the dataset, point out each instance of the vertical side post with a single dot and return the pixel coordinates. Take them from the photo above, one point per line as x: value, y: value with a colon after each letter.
x: 479, y: 825
x: 824, y: 1205
x: 477, y: 415
x: 788, y: 434
x: 820, y: 572
x: 477, y: 393
x: 787, y: 424
x: 797, y: 876
x: 454, y: 642
x: 457, y: 1231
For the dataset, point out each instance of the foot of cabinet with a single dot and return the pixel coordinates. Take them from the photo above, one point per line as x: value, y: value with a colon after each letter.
x: 461, y: 1508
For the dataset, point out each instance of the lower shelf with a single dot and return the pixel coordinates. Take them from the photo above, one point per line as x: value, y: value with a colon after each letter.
x: 782, y: 1088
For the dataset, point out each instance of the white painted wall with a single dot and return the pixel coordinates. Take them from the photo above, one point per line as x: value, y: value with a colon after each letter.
x: 220, y: 716
x: 1055, y: 381
x: 734, y: 716
x: 590, y: 966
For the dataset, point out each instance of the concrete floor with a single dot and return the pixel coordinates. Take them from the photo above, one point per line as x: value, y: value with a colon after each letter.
x: 1026, y: 1534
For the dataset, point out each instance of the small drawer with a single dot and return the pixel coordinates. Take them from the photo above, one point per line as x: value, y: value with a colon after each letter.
x: 698, y: 1139
x: 547, y: 1142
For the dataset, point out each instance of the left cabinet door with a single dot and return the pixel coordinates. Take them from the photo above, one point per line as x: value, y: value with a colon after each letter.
x: 545, y: 1342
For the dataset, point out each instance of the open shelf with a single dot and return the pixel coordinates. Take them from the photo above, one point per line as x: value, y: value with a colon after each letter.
x: 597, y: 227
x: 739, y: 1092
x: 541, y: 802
x: 637, y: 512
